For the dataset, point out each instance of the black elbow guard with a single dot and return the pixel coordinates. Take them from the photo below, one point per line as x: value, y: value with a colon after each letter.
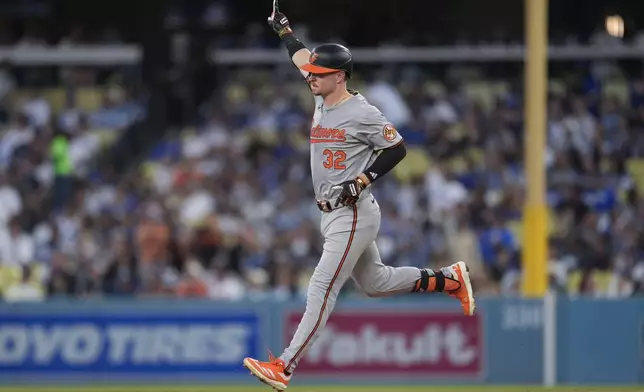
x: 386, y: 161
x: 403, y: 150
x: 292, y: 44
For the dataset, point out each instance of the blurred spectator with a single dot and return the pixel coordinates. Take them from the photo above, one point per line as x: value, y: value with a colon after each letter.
x: 197, y: 203
x: 37, y: 109
x: 83, y: 146
x: 496, y: 240
x: 10, y: 200
x: 383, y: 95
x: 582, y: 128
x: 62, y: 277
x: 7, y: 86
x: 122, y: 275
x: 16, y: 245
x: 192, y: 284
x: 70, y: 116
x: 463, y: 245
x: 152, y: 241
x: 439, y: 111
x: 506, y: 272
x: 445, y: 192
x: 19, y: 134
x: 62, y: 162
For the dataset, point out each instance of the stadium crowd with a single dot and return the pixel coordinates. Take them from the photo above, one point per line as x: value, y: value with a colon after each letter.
x: 242, y: 175
x: 53, y: 123
x: 225, y: 210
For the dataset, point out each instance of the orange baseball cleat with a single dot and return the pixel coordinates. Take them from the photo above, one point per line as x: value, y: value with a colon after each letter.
x: 464, y: 292
x: 270, y: 373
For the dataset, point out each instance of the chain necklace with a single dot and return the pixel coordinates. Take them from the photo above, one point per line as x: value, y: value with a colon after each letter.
x: 339, y: 102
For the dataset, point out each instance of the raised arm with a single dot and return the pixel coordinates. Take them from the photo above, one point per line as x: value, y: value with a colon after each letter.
x: 296, y: 50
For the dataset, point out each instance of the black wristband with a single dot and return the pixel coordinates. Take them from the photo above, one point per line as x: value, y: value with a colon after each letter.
x: 293, y: 45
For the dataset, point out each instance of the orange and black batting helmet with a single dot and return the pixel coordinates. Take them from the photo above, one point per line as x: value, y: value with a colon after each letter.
x: 328, y: 58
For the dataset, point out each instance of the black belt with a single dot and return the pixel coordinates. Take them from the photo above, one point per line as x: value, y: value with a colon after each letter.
x: 324, y: 205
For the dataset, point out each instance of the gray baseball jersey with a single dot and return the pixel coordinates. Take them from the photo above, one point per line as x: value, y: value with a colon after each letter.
x: 344, y: 142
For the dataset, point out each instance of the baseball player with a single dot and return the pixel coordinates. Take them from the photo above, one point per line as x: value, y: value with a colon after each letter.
x: 352, y: 146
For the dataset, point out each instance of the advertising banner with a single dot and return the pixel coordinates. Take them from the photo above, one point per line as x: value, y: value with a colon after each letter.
x: 364, y: 343
x: 392, y: 343
x: 126, y: 343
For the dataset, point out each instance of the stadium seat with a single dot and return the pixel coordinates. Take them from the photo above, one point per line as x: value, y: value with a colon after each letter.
x: 557, y: 87
x: 147, y: 170
x: 10, y: 275
x: 299, y: 141
x: 433, y: 87
x: 56, y: 97
x: 236, y: 93
x: 477, y: 155
x: 304, y: 95
x: 516, y: 228
x: 553, y: 226
x: 635, y: 168
x: 19, y: 95
x: 601, y: 281
x: 89, y: 99
x: 457, y: 164
x: 107, y: 136
x: 484, y: 92
x: 617, y: 88
x: 574, y: 280
x: 266, y: 137
x: 5, y: 278
x: 415, y: 165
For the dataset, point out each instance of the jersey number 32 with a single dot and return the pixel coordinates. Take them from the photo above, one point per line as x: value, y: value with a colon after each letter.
x: 334, y: 159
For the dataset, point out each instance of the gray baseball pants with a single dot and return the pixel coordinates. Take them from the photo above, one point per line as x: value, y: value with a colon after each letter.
x: 349, y: 251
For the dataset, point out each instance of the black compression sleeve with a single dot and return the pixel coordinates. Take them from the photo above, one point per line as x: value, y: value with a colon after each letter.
x: 386, y: 161
x: 292, y: 44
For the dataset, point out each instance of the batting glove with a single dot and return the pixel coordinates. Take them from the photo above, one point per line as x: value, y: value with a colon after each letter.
x: 350, y: 192
x: 279, y: 23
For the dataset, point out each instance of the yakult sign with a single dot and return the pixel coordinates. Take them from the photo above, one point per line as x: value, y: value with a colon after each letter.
x: 393, y: 343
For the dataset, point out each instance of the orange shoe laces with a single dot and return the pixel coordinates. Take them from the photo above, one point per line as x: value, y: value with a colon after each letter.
x: 273, y: 360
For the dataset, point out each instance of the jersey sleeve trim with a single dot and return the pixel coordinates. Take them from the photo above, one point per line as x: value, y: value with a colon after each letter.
x: 395, y: 145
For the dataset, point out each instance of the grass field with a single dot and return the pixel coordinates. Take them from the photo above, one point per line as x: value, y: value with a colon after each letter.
x: 261, y: 388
